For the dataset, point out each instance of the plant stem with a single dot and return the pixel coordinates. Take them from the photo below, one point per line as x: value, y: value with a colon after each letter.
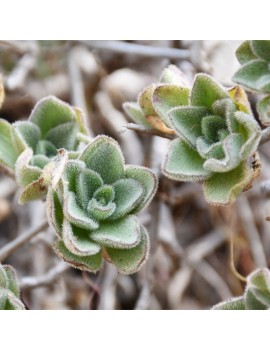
x: 21, y: 240
x: 142, y: 129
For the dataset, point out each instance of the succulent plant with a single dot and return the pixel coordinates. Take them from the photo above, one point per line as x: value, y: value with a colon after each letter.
x: 216, y: 135
x: 144, y: 112
x: 29, y: 147
x: 254, y: 74
x: 256, y: 296
x: 9, y: 291
x: 92, y: 209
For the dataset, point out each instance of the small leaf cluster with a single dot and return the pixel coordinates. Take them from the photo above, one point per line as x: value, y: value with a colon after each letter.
x: 29, y: 148
x: 94, y: 205
x: 9, y: 290
x: 254, y: 74
x: 215, y: 133
x: 256, y: 295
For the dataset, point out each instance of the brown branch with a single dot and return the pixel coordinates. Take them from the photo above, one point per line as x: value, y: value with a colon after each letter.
x: 142, y: 129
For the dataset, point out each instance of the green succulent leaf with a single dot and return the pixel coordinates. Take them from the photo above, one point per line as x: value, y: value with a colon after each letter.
x: 206, y: 91
x: 124, y: 233
x: 223, y: 188
x: 134, y: 111
x: 261, y: 49
x: 128, y: 193
x: 263, y: 108
x: 51, y: 112
x: 173, y: 75
x: 252, y: 303
x: 184, y: 163
x: 64, y: 135
x: 236, y: 303
x: 8, y: 150
x: 147, y: 180
x: 76, y: 214
x: 128, y: 261
x: 165, y: 97
x: 187, y: 121
x: 77, y: 240
x: 86, y: 184
x: 12, y: 283
x: 3, y: 277
x: 244, y: 53
x: 91, y: 263
x: 26, y: 173
x: 28, y: 132
x: 14, y: 304
x: 145, y: 101
x: 104, y: 156
x: 55, y: 211
x: 254, y: 75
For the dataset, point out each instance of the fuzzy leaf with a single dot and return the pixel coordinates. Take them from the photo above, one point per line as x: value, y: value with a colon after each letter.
x: 14, y: 304
x: 71, y: 174
x: 145, y: 101
x: 250, y: 75
x: 184, y: 163
x: 12, y: 280
x: 89, y: 263
x: 87, y: 183
x: 211, y: 125
x: 81, y: 120
x: 263, y: 108
x: 252, y: 303
x: 36, y: 190
x: 187, y: 122
x: 173, y: 75
x: 103, y: 155
x: 236, y: 303
x: 55, y: 211
x: 134, y: 111
x: 51, y: 112
x: 3, y: 277
x: 25, y: 173
x: 147, y: 180
x: 100, y: 212
x: 231, y: 147
x: 240, y: 99
x: 40, y: 161
x: 64, y: 135
x: 8, y: 150
x: 261, y: 49
x: 77, y: 215
x: 244, y: 53
x: 128, y: 193
x: 124, y: 233
x: 77, y: 241
x: 222, y: 188
x: 3, y: 299
x: 165, y: 97
x: 128, y: 261
x: 206, y: 91
x: 28, y: 132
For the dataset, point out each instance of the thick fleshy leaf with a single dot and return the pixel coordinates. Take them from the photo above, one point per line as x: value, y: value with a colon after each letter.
x: 128, y: 194
x: 223, y: 188
x: 3, y: 277
x: 147, y: 179
x: 46, y: 148
x: 240, y: 99
x: 187, y: 122
x: 55, y: 211
x: 51, y: 112
x: 89, y: 263
x: 173, y: 75
x: 206, y: 91
x: 3, y: 299
x: 231, y: 147
x: 145, y: 100
x: 81, y: 120
x: 261, y: 49
x: 184, y: 163
x: 77, y: 240
x: 8, y: 150
x: 14, y: 304
x: 124, y: 233
x: 64, y: 135
x: 99, y: 212
x: 36, y: 190
x: 26, y: 173
x: 244, y: 53
x: 250, y: 132
x: 252, y: 303
x: 250, y: 74
x: 209, y: 150
x: 259, y: 283
x: 28, y: 132
x: 136, y: 114
x: 71, y: 174
x: 76, y: 214
x: 236, y: 303
x: 165, y: 97
x: 211, y: 126
x: 103, y: 155
x: 263, y: 108
x: 128, y: 261
x: 87, y: 183
x: 40, y: 161
x: 12, y: 280
x: 104, y: 194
